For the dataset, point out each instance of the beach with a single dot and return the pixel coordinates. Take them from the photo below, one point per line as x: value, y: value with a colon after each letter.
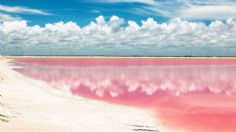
x: 28, y: 105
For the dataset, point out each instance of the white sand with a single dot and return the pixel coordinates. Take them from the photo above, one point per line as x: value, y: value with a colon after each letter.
x: 32, y: 106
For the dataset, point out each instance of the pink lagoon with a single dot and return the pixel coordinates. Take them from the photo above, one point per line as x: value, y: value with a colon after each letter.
x: 191, y: 94
x: 118, y: 66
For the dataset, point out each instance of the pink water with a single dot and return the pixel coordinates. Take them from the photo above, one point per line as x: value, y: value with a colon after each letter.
x: 194, y: 94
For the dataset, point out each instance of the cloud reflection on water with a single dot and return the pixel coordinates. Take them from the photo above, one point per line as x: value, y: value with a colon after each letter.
x: 191, y: 97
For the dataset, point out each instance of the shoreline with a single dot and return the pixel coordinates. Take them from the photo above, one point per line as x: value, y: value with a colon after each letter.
x: 29, y: 105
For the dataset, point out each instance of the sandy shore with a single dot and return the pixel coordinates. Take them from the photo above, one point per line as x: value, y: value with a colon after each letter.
x: 28, y: 105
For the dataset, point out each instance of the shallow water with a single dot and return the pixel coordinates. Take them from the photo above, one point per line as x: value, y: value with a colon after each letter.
x: 195, y: 95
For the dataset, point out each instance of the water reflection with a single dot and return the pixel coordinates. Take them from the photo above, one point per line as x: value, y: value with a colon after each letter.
x: 190, y: 97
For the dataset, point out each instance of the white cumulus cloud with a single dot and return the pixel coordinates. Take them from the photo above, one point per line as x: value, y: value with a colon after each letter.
x: 117, y: 36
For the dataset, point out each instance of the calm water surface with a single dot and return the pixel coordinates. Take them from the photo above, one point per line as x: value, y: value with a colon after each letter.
x: 196, y: 95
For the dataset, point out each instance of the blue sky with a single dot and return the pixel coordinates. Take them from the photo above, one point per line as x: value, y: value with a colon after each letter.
x: 118, y: 27
x: 80, y: 11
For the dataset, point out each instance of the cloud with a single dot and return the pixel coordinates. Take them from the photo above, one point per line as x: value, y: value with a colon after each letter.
x: 185, y: 9
x: 21, y: 10
x: 6, y: 17
x: 95, y: 11
x: 115, y: 36
x: 209, y: 12
x: 149, y: 2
